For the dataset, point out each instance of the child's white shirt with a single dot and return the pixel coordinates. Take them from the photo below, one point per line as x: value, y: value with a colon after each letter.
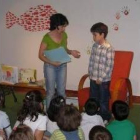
x: 88, y: 122
x: 4, y: 120
x: 5, y: 123
x: 39, y: 124
x: 51, y: 126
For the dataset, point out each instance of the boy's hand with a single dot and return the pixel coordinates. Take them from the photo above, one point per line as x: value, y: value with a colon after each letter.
x: 98, y: 82
x: 75, y: 53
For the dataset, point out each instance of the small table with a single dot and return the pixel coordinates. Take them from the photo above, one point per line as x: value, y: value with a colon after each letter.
x: 6, y: 89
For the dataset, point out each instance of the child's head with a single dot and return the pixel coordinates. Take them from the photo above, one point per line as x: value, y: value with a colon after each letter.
x: 54, y: 107
x: 99, y: 133
x: 120, y: 110
x: 22, y: 132
x: 58, y: 21
x: 68, y: 118
x: 91, y: 106
x: 99, y: 31
x: 32, y: 106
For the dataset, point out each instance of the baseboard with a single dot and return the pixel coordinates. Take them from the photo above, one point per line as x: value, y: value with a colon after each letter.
x: 136, y: 99
x: 70, y: 93
x: 25, y: 90
x: 73, y: 93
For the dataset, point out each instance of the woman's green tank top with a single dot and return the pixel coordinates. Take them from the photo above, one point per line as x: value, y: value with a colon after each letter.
x: 51, y: 44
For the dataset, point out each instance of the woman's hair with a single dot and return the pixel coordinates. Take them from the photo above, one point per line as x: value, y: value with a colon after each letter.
x: 57, y: 20
x: 31, y: 106
x: 99, y: 133
x: 91, y: 106
x: 120, y: 110
x: 22, y: 132
x: 54, y: 107
x: 100, y: 28
x: 68, y: 118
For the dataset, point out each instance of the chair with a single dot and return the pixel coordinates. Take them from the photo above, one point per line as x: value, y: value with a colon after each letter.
x: 120, y: 84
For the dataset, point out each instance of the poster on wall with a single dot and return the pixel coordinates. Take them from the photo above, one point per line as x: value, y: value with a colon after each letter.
x: 35, y: 19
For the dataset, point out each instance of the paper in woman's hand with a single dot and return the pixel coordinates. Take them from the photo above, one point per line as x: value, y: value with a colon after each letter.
x: 58, y: 55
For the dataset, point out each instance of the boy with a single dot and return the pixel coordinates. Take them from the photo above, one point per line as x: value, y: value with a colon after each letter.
x: 99, y: 133
x: 68, y: 120
x: 121, y: 128
x: 90, y: 117
x: 100, y: 68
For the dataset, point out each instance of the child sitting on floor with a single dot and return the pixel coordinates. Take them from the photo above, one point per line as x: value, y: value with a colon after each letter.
x: 99, y: 133
x: 22, y: 132
x: 121, y: 128
x: 32, y: 114
x: 90, y: 117
x: 68, y: 120
x: 5, y: 127
x: 53, y: 110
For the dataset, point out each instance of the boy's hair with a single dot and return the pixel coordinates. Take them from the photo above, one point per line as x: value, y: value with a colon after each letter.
x: 99, y: 133
x: 54, y: 107
x: 22, y: 132
x: 120, y: 110
x: 31, y: 106
x: 69, y: 118
x: 100, y: 28
x: 91, y: 106
x: 57, y: 20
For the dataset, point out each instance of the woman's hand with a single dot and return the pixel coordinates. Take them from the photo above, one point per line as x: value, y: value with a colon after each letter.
x: 75, y: 53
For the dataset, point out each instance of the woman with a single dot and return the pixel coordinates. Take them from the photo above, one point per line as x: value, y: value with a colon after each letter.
x: 55, y: 72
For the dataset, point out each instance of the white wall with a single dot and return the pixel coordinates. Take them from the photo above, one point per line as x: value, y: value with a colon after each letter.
x: 20, y: 48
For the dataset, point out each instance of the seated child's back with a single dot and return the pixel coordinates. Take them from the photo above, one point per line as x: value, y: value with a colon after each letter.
x: 121, y: 128
x: 90, y: 117
x: 68, y: 120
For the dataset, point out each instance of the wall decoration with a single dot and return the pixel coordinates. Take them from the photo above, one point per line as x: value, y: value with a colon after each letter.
x: 35, y: 19
x: 118, y: 15
x: 88, y: 50
x: 116, y: 27
x: 125, y: 10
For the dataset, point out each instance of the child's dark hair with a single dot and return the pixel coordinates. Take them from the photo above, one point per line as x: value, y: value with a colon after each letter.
x: 69, y: 118
x: 99, y: 133
x: 57, y: 20
x: 100, y: 28
x: 22, y: 132
x: 54, y: 107
x: 91, y: 106
x: 31, y: 106
x: 120, y: 110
